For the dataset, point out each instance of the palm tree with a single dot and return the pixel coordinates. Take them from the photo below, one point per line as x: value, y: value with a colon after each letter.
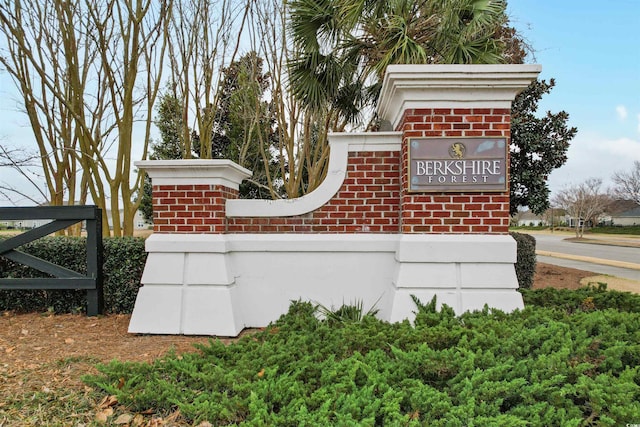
x: 345, y: 45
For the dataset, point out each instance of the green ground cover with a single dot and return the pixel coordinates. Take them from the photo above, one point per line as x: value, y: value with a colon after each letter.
x: 629, y: 229
x: 571, y: 358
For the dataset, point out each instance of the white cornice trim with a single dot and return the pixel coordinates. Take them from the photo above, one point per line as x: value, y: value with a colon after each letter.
x: 341, y: 144
x: 194, y: 172
x: 451, y: 86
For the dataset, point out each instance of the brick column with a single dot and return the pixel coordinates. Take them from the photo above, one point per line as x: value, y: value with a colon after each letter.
x: 453, y: 103
x: 453, y: 212
x: 189, y: 196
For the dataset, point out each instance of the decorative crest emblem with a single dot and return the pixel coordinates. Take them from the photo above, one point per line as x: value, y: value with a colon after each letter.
x: 457, y: 150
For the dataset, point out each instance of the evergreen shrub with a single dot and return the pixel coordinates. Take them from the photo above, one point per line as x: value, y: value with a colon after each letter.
x: 526, y: 261
x: 586, y: 298
x: 541, y: 366
x: 124, y: 260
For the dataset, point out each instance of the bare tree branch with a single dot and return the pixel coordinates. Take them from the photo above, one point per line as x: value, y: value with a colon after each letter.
x: 584, y: 202
x: 628, y: 184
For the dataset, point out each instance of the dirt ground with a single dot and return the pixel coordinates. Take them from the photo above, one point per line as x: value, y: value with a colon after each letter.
x: 548, y: 275
x: 40, y: 352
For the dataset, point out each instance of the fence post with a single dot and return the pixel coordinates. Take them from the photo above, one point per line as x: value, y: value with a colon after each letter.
x: 95, y: 297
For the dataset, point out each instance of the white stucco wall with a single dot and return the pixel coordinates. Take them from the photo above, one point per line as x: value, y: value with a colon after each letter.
x: 219, y: 284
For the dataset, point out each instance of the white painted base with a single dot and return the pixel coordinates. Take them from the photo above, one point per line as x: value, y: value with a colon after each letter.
x: 199, y: 284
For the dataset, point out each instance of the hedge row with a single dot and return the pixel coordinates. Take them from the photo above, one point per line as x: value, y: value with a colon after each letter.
x: 541, y: 366
x: 124, y: 260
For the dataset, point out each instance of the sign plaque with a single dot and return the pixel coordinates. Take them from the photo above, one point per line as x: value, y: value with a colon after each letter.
x: 457, y: 164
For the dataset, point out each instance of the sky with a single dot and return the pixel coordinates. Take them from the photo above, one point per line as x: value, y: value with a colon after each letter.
x: 592, y: 50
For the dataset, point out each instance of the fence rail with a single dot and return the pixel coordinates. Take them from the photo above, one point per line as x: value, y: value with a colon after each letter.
x: 63, y: 278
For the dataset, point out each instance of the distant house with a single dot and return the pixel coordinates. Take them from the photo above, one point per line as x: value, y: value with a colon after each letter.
x: 529, y: 219
x: 139, y: 222
x: 628, y: 217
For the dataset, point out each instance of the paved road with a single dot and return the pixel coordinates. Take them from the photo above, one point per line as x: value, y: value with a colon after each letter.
x: 624, y: 273
x: 608, y: 259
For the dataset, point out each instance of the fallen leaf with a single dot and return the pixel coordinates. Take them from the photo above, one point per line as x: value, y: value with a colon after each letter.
x: 24, y: 332
x: 123, y: 419
x: 69, y: 341
x: 138, y: 420
x: 104, y: 415
x: 261, y: 373
x: 205, y: 424
x: 9, y: 350
x: 108, y: 402
x: 155, y: 422
x: 173, y: 416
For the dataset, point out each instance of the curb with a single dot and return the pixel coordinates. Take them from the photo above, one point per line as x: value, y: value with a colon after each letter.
x: 601, y: 261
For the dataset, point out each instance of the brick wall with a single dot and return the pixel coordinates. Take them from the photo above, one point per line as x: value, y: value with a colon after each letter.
x: 190, y: 208
x: 367, y: 202
x: 453, y: 212
x: 374, y: 196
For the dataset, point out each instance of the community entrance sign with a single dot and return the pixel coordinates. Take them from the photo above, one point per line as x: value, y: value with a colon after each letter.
x: 421, y: 211
x: 457, y: 164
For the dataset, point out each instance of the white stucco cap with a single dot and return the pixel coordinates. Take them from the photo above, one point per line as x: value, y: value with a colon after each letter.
x: 194, y: 171
x: 451, y: 86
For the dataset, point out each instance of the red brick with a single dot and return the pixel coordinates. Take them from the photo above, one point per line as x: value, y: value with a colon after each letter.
x: 413, y: 119
x: 441, y: 214
x: 473, y: 133
x: 441, y: 126
x: 461, y: 199
x: 453, y: 206
x: 481, y: 126
x: 474, y: 119
x: 492, y: 119
x: 442, y: 199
